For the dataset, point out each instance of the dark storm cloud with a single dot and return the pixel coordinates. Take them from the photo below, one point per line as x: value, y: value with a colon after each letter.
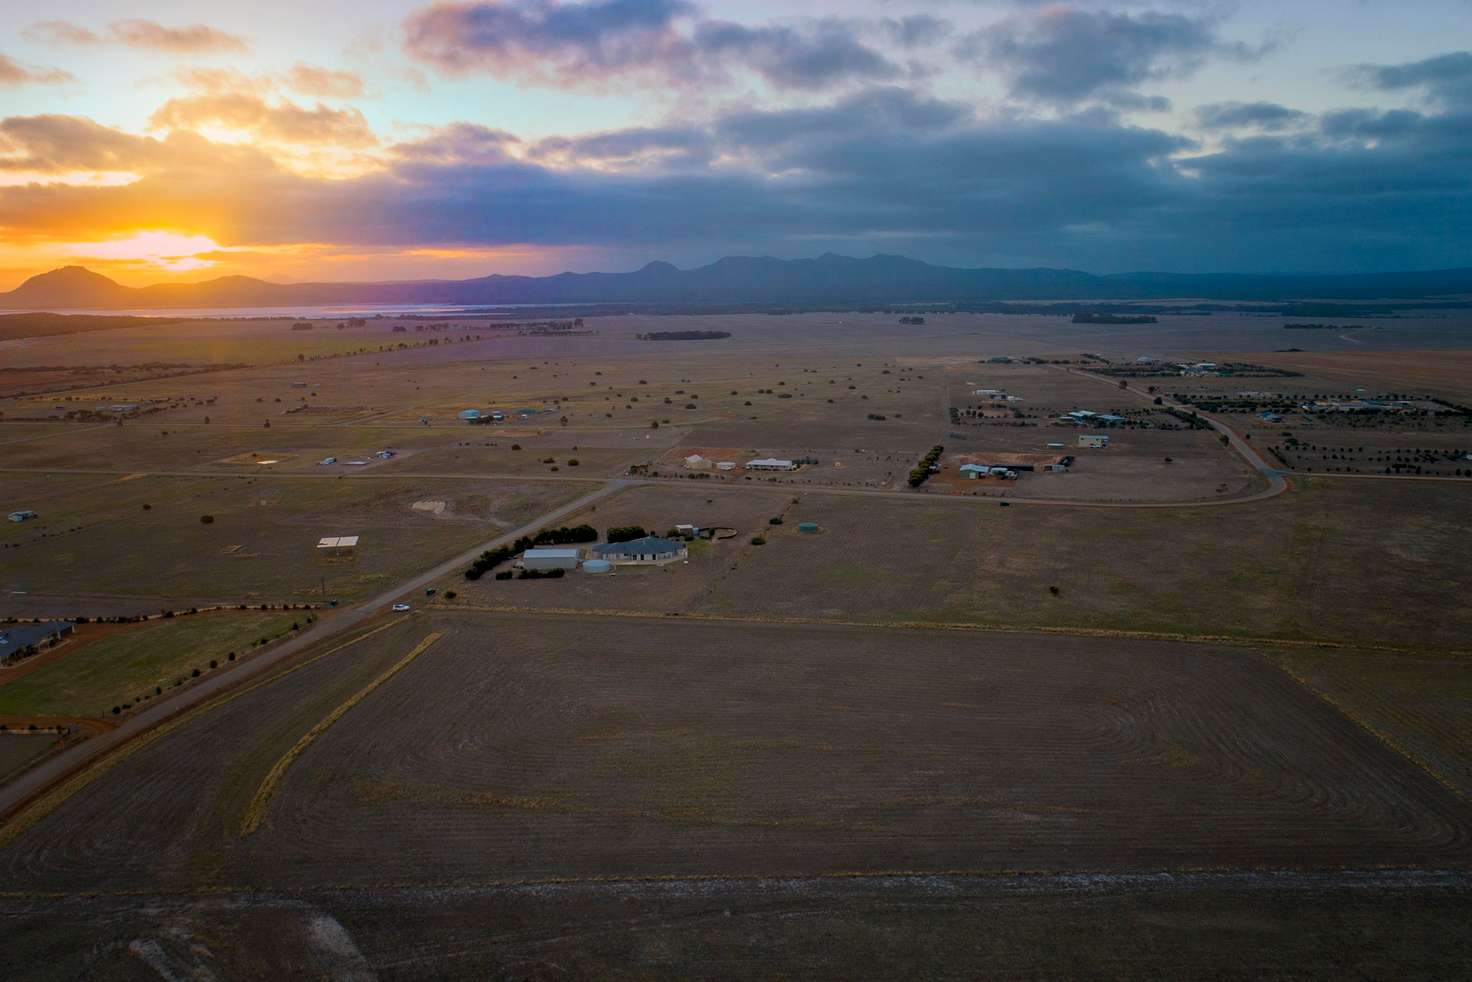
x: 1447, y: 78
x: 1259, y: 115
x: 644, y: 146
x: 882, y: 169
x: 818, y: 56
x: 589, y: 43
x: 563, y: 42
x: 1066, y: 55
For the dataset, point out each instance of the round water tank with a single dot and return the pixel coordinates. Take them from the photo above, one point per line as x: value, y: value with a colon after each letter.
x: 597, y: 566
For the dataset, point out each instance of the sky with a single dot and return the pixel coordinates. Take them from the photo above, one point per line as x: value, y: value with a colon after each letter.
x: 165, y: 141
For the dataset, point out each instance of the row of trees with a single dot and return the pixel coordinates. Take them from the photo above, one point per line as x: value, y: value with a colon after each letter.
x: 921, y: 473
x: 564, y: 535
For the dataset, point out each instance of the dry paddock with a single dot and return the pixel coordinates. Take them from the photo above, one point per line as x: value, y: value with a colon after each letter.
x: 582, y: 748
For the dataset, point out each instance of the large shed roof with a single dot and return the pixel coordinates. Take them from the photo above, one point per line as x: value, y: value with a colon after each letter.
x: 649, y: 545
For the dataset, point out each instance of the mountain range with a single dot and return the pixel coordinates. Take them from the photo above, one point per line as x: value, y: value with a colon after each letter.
x: 757, y: 281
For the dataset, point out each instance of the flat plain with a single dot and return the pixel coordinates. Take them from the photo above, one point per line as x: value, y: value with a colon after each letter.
x: 1171, y: 710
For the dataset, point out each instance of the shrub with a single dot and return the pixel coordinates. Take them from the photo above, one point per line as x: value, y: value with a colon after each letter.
x: 206, y: 519
x: 214, y: 663
x: 775, y: 520
x: 194, y: 673
x: 450, y: 594
x: 626, y: 533
x: 757, y: 540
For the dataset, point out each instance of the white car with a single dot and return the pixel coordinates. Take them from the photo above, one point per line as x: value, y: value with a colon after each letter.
x: 400, y: 608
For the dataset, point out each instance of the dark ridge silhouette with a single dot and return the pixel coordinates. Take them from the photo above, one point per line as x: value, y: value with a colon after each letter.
x: 828, y: 279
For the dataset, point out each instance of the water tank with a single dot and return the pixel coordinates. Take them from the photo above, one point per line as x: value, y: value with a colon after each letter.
x: 807, y: 527
x: 597, y: 566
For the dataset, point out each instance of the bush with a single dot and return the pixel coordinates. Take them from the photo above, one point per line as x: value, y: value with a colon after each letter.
x: 505, y: 574
x: 194, y: 673
x: 775, y: 520
x: 206, y: 519
x: 214, y: 663
x: 626, y: 533
x: 451, y: 594
x: 757, y: 540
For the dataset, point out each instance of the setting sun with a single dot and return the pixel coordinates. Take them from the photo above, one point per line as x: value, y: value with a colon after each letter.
x: 170, y: 251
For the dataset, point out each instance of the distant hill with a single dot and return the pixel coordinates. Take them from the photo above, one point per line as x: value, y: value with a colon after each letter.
x: 762, y: 281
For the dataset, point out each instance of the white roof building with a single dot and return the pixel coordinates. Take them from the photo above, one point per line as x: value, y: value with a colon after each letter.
x: 770, y: 464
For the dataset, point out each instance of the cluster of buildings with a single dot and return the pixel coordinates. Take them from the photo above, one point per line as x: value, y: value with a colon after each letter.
x: 650, y: 550
x: 995, y: 395
x: 359, y: 461
x: 487, y: 417
x: 1359, y: 406
x: 1084, y: 417
x: 696, y: 462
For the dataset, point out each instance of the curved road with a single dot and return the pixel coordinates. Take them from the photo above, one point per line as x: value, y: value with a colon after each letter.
x: 1277, y: 483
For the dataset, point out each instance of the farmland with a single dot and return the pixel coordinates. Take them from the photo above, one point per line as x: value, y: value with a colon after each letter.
x: 539, y: 756
x: 119, y: 666
x: 1159, y: 702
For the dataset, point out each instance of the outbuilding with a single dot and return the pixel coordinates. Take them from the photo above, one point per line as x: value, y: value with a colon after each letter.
x: 649, y: 550
x: 770, y: 464
x: 550, y: 559
x: 14, y: 637
x: 23, y: 515
x: 1094, y: 441
x: 695, y: 462
x: 337, y: 545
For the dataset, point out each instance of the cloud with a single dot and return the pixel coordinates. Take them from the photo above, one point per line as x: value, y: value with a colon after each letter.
x: 644, y: 148
x: 1446, y: 79
x: 822, y: 54
x: 191, y: 38
x: 53, y: 144
x: 13, y: 74
x: 883, y: 168
x: 139, y: 33
x: 324, y: 83
x: 285, y: 121
x: 59, y: 32
x: 1065, y: 55
x: 544, y: 40
x: 595, y: 41
x: 459, y: 144
x: 1259, y: 115
x: 916, y: 30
